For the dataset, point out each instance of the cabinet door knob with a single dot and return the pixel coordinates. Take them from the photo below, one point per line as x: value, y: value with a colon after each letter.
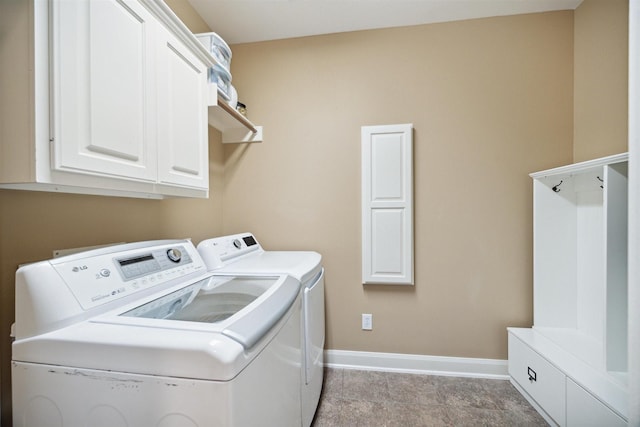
x: 532, y: 374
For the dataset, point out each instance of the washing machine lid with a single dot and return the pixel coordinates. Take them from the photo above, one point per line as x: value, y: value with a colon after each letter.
x: 242, y: 308
x: 303, y: 265
x: 209, y: 329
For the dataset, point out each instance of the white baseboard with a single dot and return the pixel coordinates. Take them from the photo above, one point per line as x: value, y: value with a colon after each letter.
x: 417, y: 364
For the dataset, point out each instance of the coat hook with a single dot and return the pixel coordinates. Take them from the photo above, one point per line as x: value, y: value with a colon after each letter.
x: 556, y: 188
x: 601, y: 180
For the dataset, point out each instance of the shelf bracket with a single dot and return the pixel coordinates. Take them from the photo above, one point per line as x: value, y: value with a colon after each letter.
x: 240, y: 135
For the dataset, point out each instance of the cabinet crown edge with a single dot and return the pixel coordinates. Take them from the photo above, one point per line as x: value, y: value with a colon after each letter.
x: 581, y: 166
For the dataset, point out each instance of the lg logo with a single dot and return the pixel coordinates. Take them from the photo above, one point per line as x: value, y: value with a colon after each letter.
x: 79, y: 268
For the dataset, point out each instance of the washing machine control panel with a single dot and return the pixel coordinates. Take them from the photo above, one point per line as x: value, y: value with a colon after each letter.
x: 152, y: 262
x: 104, y: 277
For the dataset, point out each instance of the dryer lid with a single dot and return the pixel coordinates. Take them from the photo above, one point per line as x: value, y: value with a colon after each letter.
x: 303, y: 265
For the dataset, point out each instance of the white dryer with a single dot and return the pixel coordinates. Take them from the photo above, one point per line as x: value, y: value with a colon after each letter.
x: 142, y: 335
x: 242, y: 254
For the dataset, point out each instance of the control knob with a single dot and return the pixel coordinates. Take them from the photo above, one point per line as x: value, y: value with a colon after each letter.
x: 174, y: 254
x: 237, y: 243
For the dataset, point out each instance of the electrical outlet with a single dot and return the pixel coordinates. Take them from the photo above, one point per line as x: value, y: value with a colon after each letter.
x: 367, y: 322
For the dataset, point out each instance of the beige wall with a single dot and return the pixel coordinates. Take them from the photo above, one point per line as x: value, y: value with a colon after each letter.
x: 491, y: 101
x: 600, y: 80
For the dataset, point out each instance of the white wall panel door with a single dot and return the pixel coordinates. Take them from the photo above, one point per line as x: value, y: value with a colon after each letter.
x: 387, y: 204
x: 103, y: 90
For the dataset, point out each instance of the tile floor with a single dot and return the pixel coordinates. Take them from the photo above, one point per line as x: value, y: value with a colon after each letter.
x: 353, y: 398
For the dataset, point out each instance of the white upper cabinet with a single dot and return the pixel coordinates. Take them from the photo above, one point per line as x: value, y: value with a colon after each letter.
x: 103, y: 90
x: 182, y: 115
x: 116, y: 96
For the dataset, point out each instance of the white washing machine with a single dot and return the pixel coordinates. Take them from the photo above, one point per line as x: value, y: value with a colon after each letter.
x: 142, y: 335
x: 242, y: 254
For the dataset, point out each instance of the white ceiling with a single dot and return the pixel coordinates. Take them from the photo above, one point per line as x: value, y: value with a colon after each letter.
x: 242, y: 21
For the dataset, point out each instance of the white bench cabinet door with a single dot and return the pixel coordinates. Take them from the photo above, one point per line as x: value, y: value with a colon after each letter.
x: 584, y: 410
x: 542, y: 381
x: 103, y: 88
x: 182, y: 115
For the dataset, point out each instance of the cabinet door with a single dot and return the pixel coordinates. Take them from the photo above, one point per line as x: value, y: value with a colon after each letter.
x: 541, y: 380
x: 387, y: 204
x: 182, y: 115
x: 103, y: 88
x: 584, y: 410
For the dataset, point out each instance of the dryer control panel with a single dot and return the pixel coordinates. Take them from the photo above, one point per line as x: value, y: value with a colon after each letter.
x: 219, y: 251
x: 98, y: 278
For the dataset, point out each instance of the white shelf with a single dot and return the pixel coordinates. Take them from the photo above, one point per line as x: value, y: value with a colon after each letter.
x: 574, y: 342
x: 235, y: 127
